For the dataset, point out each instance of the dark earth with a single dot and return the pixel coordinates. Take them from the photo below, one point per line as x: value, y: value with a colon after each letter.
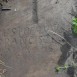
x: 26, y: 44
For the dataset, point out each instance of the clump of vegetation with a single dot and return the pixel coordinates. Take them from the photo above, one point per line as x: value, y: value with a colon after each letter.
x: 61, y: 68
x: 65, y: 67
x: 74, y: 26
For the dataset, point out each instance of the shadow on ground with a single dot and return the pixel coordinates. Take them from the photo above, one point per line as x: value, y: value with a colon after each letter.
x: 65, y: 53
x: 64, y: 49
x: 70, y: 71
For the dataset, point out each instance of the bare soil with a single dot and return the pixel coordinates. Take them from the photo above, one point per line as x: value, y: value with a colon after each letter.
x: 24, y: 42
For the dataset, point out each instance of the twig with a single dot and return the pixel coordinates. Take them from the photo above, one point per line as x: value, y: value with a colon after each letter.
x: 56, y: 40
x: 2, y: 63
x: 60, y: 37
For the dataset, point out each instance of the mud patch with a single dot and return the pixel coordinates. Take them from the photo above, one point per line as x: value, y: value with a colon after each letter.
x: 35, y: 11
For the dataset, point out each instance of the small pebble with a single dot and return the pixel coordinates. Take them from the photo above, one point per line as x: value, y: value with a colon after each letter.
x: 15, y: 9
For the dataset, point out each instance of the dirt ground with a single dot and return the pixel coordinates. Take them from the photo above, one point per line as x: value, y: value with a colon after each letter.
x: 24, y: 41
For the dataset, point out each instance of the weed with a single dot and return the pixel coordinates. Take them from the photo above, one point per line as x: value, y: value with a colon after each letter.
x: 74, y: 26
